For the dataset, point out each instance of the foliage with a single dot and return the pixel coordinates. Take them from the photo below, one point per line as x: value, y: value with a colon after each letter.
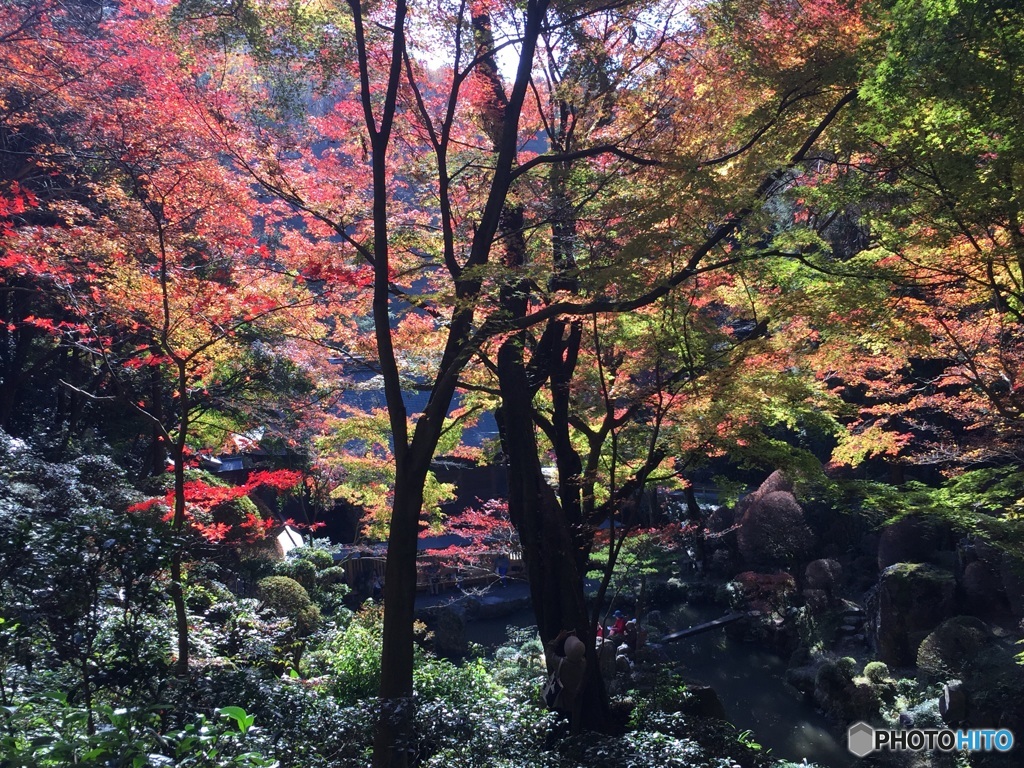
x: 48, y: 731
x: 313, y: 567
x: 289, y: 598
x: 350, y: 659
x: 100, y: 612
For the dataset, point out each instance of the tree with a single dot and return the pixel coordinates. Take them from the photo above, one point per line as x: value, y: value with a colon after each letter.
x: 629, y: 234
x: 439, y: 216
x: 159, y: 263
x: 930, y: 180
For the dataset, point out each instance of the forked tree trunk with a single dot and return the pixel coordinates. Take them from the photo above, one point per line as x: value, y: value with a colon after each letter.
x: 553, y: 558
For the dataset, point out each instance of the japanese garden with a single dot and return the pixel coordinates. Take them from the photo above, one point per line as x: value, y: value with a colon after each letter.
x: 511, y: 383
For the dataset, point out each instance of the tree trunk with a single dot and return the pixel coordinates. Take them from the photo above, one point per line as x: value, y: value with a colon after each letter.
x: 177, y: 557
x: 551, y: 555
x: 393, y: 741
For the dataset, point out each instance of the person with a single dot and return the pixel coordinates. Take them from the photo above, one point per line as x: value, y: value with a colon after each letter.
x: 434, y: 577
x: 631, y: 636
x: 619, y: 627
x: 501, y: 569
x: 568, y: 651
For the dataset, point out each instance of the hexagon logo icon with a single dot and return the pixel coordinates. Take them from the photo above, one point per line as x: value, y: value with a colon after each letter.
x: 860, y: 739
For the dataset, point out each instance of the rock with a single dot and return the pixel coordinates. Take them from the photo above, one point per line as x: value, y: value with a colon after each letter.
x: 816, y: 600
x: 953, y: 703
x: 606, y: 658
x: 912, y: 599
x: 823, y: 574
x: 944, y: 652
x: 983, y: 589
x: 910, y: 540
x: 773, y: 531
x: 802, y: 678
x: 702, y: 701
x: 449, y: 626
x: 623, y: 664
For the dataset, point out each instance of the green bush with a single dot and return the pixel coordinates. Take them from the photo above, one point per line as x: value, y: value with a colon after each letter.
x: 48, y: 732
x: 284, y: 596
x: 876, y: 672
x: 350, y: 658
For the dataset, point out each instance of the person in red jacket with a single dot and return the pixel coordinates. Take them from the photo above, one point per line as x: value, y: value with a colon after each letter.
x: 619, y: 627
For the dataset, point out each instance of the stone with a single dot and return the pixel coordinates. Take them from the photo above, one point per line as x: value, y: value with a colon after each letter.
x: 802, y: 678
x: 449, y: 626
x: 816, y: 600
x: 911, y: 600
x: 953, y: 703
x: 910, y: 540
x: 606, y: 657
x: 823, y: 574
x: 983, y: 589
x: 702, y: 701
x: 944, y: 652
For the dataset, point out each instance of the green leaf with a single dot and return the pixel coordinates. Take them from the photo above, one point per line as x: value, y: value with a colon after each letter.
x: 240, y: 716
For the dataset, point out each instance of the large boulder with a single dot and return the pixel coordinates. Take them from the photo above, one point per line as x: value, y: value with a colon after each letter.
x: 824, y: 575
x: 449, y: 626
x: 994, y: 685
x: 943, y: 654
x: 982, y: 589
x: 910, y: 540
x: 911, y: 600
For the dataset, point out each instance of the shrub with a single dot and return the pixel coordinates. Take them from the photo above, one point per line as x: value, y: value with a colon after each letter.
x: 876, y: 672
x: 284, y: 596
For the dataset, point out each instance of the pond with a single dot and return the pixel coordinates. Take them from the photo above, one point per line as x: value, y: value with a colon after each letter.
x: 749, y: 680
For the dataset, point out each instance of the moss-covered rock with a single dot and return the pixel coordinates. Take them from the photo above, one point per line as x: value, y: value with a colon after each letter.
x: 944, y: 652
x: 910, y: 540
x: 912, y: 599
